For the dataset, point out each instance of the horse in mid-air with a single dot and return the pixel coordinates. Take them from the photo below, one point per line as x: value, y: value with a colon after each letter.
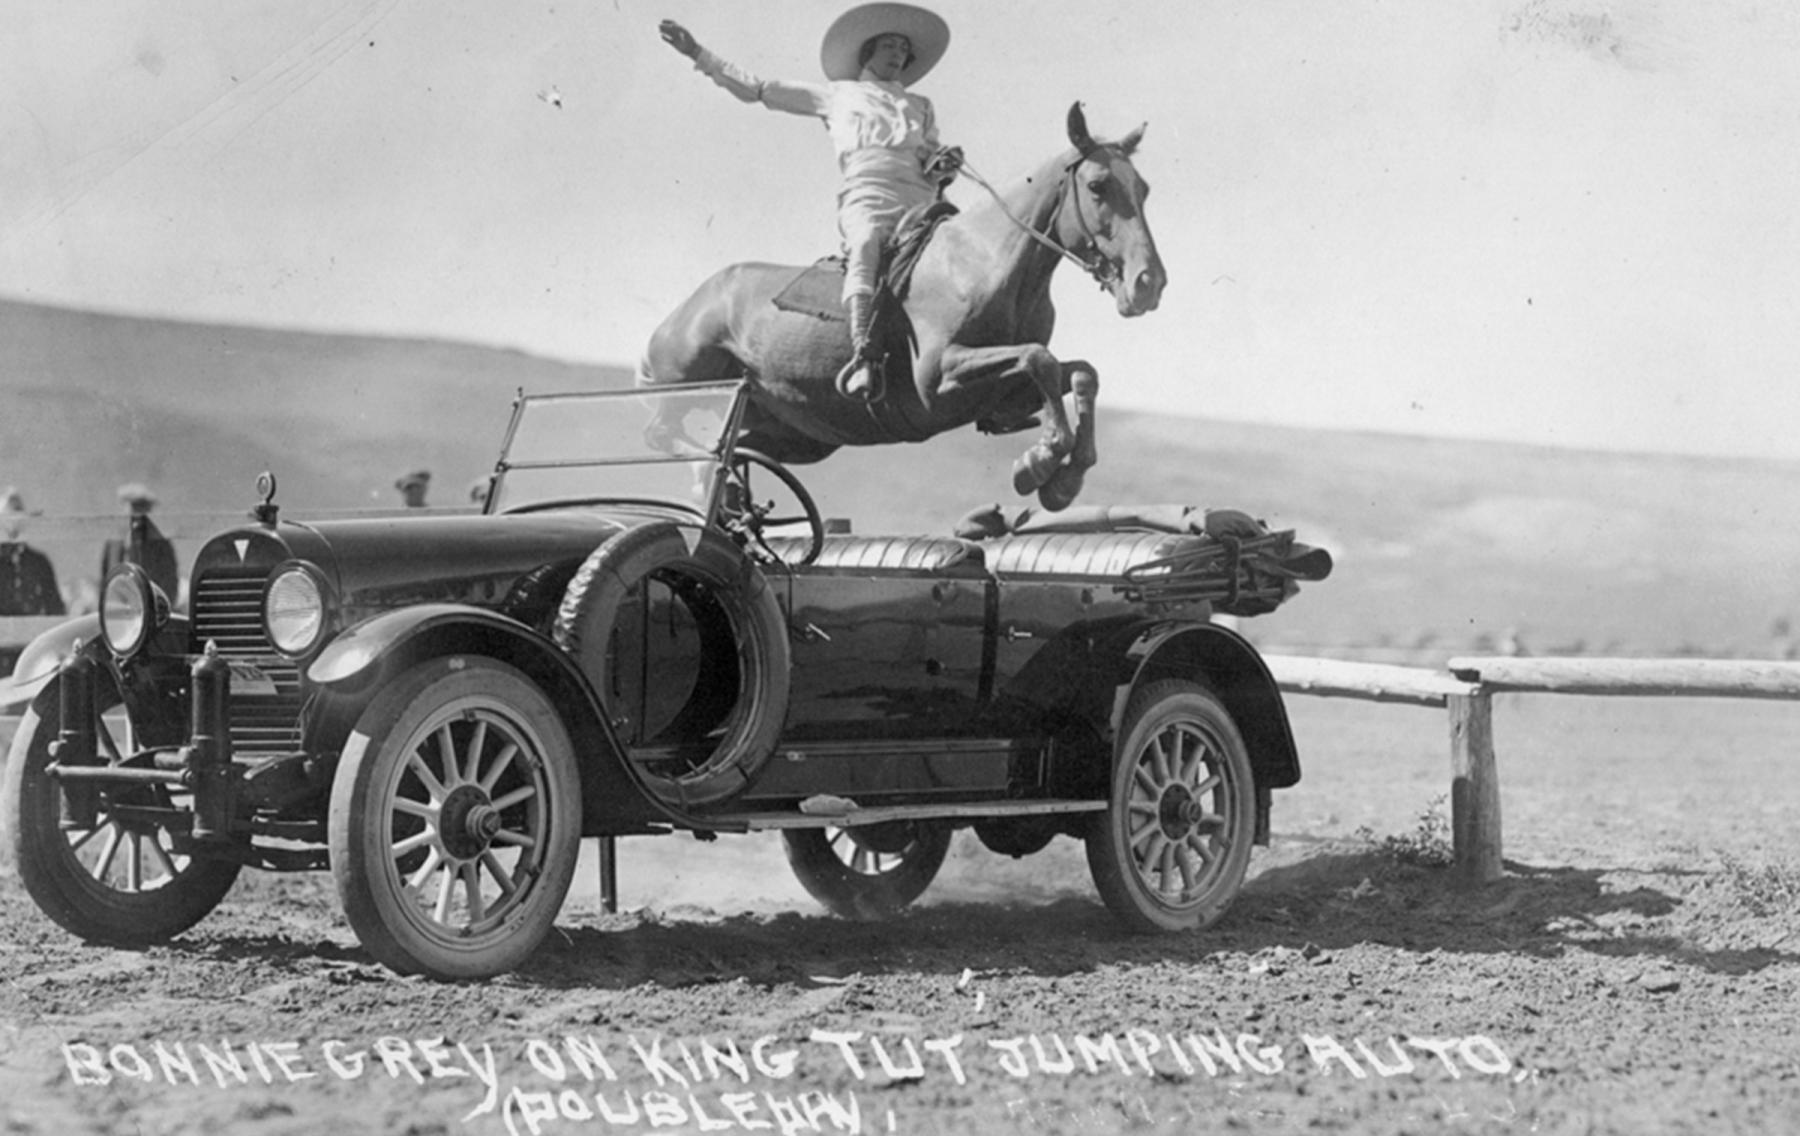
x: 972, y: 339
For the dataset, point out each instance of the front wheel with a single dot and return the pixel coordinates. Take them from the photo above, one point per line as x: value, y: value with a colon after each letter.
x: 869, y: 872
x: 1171, y: 849
x: 123, y: 875
x: 455, y: 820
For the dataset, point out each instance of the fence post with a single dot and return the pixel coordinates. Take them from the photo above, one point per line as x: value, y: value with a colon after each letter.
x: 1474, y: 787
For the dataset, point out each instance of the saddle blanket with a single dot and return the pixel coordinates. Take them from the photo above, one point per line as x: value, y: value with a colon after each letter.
x: 816, y: 290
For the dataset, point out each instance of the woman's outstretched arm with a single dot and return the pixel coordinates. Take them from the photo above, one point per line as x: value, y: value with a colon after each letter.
x: 794, y: 98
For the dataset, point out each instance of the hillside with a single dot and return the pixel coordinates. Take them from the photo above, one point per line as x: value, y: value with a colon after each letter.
x: 1441, y: 545
x: 197, y: 410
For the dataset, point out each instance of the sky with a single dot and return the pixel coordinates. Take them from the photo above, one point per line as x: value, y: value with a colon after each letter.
x: 1567, y: 222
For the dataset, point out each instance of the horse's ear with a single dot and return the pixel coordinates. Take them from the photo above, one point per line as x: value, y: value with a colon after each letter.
x: 1078, y: 130
x: 1129, y: 144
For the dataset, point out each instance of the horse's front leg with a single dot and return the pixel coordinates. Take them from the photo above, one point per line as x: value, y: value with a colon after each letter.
x: 969, y: 376
x: 1064, y: 485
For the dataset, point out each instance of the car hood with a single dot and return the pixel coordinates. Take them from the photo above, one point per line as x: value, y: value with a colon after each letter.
x: 379, y: 563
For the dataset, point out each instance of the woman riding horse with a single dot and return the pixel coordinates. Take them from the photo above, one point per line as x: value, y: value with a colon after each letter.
x: 885, y: 135
x: 979, y: 316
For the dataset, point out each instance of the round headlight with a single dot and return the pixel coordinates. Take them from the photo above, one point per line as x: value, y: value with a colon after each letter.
x: 127, y: 610
x: 294, y: 611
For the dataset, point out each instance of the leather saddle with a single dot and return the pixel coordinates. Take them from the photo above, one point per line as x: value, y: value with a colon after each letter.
x: 817, y: 290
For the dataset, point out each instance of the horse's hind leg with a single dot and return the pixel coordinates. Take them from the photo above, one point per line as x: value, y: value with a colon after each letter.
x: 1060, y: 491
x: 687, y: 347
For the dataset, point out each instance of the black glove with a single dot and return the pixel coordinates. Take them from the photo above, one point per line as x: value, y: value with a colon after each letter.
x: 679, y: 38
x: 944, y: 164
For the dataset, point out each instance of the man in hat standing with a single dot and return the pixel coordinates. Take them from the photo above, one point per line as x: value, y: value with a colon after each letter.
x: 412, y: 487
x: 143, y: 543
x: 27, y: 579
x: 886, y: 137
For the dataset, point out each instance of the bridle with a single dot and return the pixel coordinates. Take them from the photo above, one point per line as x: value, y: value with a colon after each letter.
x: 1105, y: 272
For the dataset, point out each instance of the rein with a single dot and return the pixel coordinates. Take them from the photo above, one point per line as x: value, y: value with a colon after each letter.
x: 1103, y: 271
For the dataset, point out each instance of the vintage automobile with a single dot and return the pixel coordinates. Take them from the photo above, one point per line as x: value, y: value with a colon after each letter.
x: 437, y: 707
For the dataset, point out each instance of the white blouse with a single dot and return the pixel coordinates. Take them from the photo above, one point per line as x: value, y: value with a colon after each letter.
x: 860, y: 114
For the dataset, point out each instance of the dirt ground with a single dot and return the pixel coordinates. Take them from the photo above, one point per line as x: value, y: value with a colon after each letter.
x: 1638, y: 970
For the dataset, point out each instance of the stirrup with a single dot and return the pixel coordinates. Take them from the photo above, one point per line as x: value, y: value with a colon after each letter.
x: 861, y: 378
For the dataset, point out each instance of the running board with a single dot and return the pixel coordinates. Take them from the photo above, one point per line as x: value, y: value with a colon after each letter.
x: 881, y: 814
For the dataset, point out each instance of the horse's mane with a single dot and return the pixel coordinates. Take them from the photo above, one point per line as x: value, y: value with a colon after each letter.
x: 1046, y: 178
x: 1014, y: 194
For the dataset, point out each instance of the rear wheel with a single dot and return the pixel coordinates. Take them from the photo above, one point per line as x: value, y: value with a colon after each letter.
x: 868, y: 872
x: 1171, y: 849
x: 455, y: 820
x: 123, y: 876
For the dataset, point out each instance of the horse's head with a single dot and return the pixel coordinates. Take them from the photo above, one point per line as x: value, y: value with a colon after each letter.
x: 1102, y: 218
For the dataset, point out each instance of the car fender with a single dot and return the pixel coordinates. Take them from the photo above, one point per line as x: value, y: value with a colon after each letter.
x: 615, y: 800
x: 370, y: 645
x: 1227, y: 663
x: 42, y: 657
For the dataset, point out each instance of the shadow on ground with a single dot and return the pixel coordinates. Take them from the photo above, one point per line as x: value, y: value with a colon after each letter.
x: 1306, y: 898
x: 1345, y: 896
x: 1332, y: 899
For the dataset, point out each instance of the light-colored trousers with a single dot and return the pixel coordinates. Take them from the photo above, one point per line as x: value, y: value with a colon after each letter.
x: 880, y: 187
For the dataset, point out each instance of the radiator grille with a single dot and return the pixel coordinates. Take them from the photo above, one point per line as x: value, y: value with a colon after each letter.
x: 225, y: 607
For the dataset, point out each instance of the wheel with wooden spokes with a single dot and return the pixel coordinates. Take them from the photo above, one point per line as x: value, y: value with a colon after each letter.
x: 868, y: 872
x: 1171, y: 849
x: 119, y: 866
x: 455, y: 820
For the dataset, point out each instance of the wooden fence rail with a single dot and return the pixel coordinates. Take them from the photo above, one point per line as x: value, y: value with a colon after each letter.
x: 1699, y: 678
x: 1466, y: 691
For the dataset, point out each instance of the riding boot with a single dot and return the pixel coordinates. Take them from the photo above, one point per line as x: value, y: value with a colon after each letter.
x: 860, y: 377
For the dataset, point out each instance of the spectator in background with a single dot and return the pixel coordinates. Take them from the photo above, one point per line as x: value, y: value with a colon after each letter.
x: 479, y: 490
x: 412, y: 487
x: 143, y: 543
x: 27, y: 580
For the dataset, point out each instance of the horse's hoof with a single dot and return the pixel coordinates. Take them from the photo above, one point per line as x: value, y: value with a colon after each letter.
x: 1024, y: 481
x: 1032, y: 469
x: 1061, y: 490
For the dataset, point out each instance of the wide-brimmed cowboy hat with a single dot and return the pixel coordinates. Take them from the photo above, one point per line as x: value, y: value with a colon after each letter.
x: 841, y: 53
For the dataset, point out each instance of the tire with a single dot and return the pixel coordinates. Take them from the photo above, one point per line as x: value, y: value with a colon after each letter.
x: 867, y: 873
x: 743, y: 691
x: 1170, y: 851
x: 122, y: 882
x: 455, y: 820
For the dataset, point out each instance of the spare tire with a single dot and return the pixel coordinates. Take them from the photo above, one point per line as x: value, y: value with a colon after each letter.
x: 740, y: 699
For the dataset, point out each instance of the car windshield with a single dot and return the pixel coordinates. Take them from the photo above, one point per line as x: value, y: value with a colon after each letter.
x: 665, y: 446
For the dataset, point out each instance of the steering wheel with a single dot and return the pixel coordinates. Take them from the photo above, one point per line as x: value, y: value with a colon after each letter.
x: 746, y: 516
